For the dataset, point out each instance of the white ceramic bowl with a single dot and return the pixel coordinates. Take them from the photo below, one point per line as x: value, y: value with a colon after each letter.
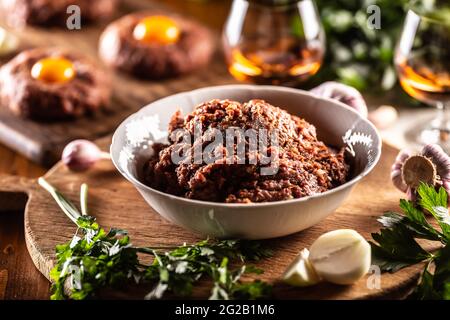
x: 336, y: 123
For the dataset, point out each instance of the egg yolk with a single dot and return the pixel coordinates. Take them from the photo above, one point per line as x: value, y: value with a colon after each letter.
x: 157, y: 29
x: 53, y: 70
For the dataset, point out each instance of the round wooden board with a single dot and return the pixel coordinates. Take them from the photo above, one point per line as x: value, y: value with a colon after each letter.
x: 115, y: 203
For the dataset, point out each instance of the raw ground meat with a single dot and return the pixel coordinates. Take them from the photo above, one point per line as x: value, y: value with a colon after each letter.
x: 306, y: 166
x: 87, y: 93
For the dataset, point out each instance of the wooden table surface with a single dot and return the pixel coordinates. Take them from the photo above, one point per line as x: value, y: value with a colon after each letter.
x: 19, y: 279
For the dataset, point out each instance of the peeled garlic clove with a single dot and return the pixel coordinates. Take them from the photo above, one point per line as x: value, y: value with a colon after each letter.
x: 340, y: 256
x: 300, y: 273
x: 383, y: 117
x: 8, y: 42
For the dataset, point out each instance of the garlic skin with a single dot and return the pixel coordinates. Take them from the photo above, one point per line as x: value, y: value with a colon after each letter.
x: 411, y: 194
x: 396, y: 170
x: 301, y: 273
x: 431, y: 166
x: 442, y: 162
x: 341, y: 256
x: 343, y: 93
x: 80, y: 155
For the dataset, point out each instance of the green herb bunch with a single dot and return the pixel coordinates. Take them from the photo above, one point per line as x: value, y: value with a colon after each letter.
x: 95, y: 259
x: 356, y: 54
x: 396, y: 244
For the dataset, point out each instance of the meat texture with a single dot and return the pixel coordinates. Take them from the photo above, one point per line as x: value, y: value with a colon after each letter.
x: 302, y: 165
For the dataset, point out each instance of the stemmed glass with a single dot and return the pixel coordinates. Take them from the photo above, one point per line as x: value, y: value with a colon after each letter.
x: 273, y: 41
x: 422, y: 60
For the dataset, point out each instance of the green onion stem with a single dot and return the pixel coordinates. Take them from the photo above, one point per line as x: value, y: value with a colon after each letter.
x: 83, y: 199
x: 66, y: 206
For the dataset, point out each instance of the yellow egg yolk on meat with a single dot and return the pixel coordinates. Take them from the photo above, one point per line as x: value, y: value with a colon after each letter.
x: 157, y: 29
x: 53, y: 70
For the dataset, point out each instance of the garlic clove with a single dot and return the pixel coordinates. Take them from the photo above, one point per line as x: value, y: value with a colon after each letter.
x: 440, y: 159
x: 80, y: 155
x: 397, y: 180
x: 403, y: 155
x: 383, y: 117
x: 301, y: 273
x: 396, y: 170
x: 8, y: 42
x: 446, y: 185
x: 340, y: 256
x: 343, y: 93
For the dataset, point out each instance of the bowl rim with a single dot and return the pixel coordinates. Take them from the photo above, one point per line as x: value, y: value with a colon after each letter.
x: 343, y: 186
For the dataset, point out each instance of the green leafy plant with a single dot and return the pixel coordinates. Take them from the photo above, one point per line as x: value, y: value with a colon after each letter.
x: 396, y: 245
x: 356, y: 54
x: 96, y: 259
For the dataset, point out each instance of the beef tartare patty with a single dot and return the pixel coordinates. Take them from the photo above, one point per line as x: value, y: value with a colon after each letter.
x: 120, y: 49
x: 50, y: 84
x: 304, y: 165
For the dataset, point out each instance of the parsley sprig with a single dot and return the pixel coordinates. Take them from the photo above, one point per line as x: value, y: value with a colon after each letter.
x: 96, y: 259
x: 396, y: 245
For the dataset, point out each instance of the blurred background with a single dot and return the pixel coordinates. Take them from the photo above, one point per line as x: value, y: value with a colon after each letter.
x: 303, y: 43
x: 355, y: 54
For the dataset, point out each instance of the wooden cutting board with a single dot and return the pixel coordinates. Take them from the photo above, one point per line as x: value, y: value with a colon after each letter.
x: 43, y: 142
x: 116, y: 203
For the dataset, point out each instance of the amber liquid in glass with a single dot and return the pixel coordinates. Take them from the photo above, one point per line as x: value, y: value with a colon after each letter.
x: 423, y: 83
x: 431, y: 86
x: 285, y: 63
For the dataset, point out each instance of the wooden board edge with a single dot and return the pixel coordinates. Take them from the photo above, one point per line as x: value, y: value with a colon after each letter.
x: 14, y: 192
x: 38, y: 259
x: 3, y: 283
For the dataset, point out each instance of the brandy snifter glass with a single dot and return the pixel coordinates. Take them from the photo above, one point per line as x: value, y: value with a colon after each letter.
x: 422, y: 60
x: 273, y: 41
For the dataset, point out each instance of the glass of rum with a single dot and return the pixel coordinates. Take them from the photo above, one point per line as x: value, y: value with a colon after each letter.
x: 422, y: 60
x: 278, y: 42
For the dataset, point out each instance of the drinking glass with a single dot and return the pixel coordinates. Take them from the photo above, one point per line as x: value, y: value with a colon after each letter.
x: 422, y: 60
x: 273, y: 41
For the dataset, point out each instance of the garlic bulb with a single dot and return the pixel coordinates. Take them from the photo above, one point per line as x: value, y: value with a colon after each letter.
x: 80, y: 155
x: 343, y: 93
x: 430, y: 166
x: 301, y: 273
